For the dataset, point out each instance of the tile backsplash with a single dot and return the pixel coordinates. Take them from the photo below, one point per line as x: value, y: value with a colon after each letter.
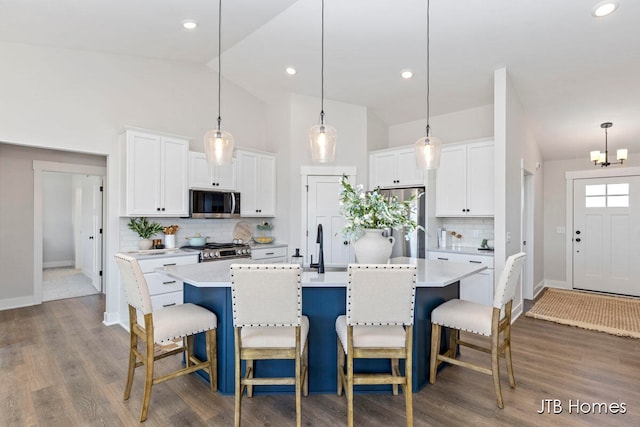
x: 468, y: 228
x: 218, y: 230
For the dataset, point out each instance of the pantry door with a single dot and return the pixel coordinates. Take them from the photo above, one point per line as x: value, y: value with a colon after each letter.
x: 323, y: 208
x: 606, y: 234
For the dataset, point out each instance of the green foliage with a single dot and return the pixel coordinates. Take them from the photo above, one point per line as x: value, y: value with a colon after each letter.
x: 363, y: 210
x: 264, y: 226
x: 144, y: 228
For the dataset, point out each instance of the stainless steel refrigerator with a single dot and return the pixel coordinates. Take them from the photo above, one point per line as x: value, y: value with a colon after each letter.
x: 415, y: 246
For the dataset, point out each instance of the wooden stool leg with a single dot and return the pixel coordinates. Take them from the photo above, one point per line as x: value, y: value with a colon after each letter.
x: 249, y: 366
x: 238, y: 379
x: 148, y: 379
x: 408, y: 370
x: 340, y: 367
x: 395, y: 365
x: 349, y: 390
x: 436, y: 331
x: 132, y: 365
x: 495, y: 368
x: 187, y: 343
x: 305, y: 364
x: 298, y: 386
x: 212, y: 355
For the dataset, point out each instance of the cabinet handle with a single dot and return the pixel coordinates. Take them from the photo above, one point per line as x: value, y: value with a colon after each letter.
x: 165, y: 265
x: 163, y: 209
x: 169, y: 282
x: 158, y: 209
x: 444, y: 259
x: 168, y: 305
x: 475, y: 262
x: 269, y: 253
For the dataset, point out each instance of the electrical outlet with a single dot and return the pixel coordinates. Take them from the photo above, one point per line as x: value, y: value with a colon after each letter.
x: 476, y: 233
x: 508, y: 237
x: 560, y: 229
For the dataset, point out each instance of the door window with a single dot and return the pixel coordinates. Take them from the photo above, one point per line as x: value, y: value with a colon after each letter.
x: 607, y: 195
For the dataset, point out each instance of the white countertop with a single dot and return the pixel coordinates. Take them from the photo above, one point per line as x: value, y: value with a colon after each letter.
x: 431, y: 273
x: 465, y: 250
x: 159, y: 253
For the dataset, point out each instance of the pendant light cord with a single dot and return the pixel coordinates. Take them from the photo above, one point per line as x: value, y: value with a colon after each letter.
x: 428, y: 67
x: 219, y: 58
x: 322, y: 67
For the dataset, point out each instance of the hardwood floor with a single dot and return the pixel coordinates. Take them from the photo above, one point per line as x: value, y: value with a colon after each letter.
x: 61, y: 366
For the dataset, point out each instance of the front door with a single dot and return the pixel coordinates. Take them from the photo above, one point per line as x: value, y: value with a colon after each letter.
x: 323, y: 208
x: 606, y: 235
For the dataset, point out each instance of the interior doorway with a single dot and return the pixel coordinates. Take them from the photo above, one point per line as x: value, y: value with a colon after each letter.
x: 71, y: 231
x: 68, y: 230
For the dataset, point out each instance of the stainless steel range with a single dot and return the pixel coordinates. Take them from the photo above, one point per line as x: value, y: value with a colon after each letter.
x: 220, y: 251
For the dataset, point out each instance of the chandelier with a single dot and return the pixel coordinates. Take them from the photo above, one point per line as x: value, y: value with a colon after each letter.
x: 602, y: 157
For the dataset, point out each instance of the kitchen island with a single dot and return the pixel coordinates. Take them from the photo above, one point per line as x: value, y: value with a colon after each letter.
x: 323, y: 300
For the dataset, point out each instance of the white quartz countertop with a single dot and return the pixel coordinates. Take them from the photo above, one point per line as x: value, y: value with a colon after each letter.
x: 160, y: 253
x: 463, y: 250
x: 431, y: 273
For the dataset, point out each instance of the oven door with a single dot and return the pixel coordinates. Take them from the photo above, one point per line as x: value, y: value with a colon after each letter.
x: 214, y: 204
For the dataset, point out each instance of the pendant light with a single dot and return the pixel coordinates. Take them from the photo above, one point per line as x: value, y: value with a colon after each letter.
x: 602, y: 158
x: 428, y: 148
x: 218, y: 144
x: 322, y: 137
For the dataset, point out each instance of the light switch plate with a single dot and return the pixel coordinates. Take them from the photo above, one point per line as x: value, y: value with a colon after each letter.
x: 560, y: 229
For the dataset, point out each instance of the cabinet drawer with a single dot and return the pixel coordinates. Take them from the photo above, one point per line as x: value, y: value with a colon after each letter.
x: 258, y: 254
x: 149, y: 265
x: 166, y: 300
x: 486, y: 261
x: 161, y: 284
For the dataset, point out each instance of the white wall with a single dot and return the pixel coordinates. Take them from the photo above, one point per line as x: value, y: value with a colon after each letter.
x: 80, y: 101
x: 57, y: 223
x: 464, y: 125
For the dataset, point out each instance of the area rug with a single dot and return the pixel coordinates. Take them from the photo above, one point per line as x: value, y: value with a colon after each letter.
x: 604, y: 313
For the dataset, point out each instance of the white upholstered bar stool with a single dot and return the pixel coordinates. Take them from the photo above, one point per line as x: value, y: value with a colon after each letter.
x: 489, y: 321
x: 378, y: 325
x: 268, y: 324
x: 160, y: 326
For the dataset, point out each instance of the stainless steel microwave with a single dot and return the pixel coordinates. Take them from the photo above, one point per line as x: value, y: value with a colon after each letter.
x: 214, y: 204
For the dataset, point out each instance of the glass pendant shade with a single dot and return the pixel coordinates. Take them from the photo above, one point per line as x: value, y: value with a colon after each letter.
x: 622, y: 154
x: 322, y: 141
x: 218, y: 147
x: 428, y: 149
x: 595, y: 156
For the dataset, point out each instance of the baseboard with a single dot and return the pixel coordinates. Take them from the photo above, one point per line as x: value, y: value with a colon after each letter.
x: 10, y: 303
x: 56, y: 264
x: 556, y: 284
x: 110, y: 319
x: 537, y: 289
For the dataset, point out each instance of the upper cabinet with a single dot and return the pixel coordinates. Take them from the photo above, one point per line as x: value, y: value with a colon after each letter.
x: 155, y: 178
x: 203, y: 177
x: 394, y: 167
x: 256, y: 183
x: 465, y: 180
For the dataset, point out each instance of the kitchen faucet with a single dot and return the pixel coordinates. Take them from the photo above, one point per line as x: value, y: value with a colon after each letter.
x: 320, y: 264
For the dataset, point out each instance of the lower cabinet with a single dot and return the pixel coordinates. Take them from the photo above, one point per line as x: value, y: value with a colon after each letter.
x: 165, y: 291
x: 477, y: 288
x: 269, y: 255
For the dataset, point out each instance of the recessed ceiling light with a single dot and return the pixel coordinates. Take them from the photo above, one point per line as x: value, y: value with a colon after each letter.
x: 406, y: 74
x: 604, y: 8
x: 189, y: 24
x: 291, y: 71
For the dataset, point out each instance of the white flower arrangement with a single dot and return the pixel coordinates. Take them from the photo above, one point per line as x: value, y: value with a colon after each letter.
x: 362, y: 210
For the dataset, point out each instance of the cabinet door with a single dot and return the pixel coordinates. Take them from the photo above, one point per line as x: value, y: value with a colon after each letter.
x: 408, y: 173
x: 143, y: 164
x: 477, y: 288
x: 266, y: 185
x: 451, y: 182
x: 382, y: 170
x: 207, y: 178
x: 480, y: 179
x: 248, y: 182
x: 174, y: 179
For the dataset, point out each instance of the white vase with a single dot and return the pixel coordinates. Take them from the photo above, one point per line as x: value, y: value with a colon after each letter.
x: 145, y: 244
x: 373, y: 248
x: 169, y: 241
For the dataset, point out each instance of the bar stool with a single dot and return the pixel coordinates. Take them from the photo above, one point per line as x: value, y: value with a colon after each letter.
x: 158, y: 327
x: 378, y: 325
x: 268, y: 324
x: 489, y: 321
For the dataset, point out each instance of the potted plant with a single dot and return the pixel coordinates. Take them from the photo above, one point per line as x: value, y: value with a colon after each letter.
x: 145, y: 230
x: 367, y: 215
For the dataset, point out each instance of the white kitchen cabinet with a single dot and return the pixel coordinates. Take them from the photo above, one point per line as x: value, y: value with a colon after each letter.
x: 465, y: 180
x: 475, y: 288
x: 256, y: 183
x: 204, y: 177
x: 394, y: 167
x: 164, y: 290
x: 155, y: 174
x: 269, y: 255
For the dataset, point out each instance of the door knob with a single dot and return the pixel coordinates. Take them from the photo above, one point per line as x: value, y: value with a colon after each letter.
x: 577, y: 231
x: 578, y: 239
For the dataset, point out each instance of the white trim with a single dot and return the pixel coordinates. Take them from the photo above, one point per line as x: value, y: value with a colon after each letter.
x: 110, y: 319
x: 38, y: 168
x: 56, y: 264
x: 8, y: 304
x: 328, y: 170
x: 537, y: 289
x: 569, y: 178
x: 558, y: 284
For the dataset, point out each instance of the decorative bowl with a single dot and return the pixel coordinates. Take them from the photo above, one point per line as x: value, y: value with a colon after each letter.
x: 263, y: 239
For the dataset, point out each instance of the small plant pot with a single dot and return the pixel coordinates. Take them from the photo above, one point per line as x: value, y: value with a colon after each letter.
x: 145, y: 244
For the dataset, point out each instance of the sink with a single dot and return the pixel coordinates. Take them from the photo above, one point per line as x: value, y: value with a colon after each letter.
x: 326, y: 270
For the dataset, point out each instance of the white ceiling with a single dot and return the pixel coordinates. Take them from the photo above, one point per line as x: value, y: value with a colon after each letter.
x: 571, y: 71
